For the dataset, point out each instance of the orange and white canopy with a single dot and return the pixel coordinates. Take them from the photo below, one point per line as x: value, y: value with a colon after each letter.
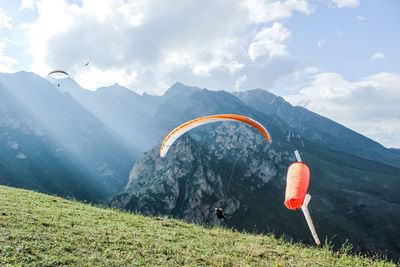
x: 180, y: 130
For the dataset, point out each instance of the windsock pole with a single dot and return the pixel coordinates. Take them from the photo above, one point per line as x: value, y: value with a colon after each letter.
x: 296, y: 153
x: 304, y: 208
x: 310, y: 223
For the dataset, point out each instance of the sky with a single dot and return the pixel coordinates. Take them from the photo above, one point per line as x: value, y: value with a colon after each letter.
x: 338, y: 58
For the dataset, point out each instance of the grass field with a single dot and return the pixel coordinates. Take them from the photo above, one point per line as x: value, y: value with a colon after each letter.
x: 42, y: 230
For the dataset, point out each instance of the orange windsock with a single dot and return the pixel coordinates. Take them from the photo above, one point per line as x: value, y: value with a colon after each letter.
x: 298, y: 178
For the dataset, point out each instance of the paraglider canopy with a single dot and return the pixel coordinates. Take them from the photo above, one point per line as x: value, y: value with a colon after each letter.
x: 58, y: 74
x: 180, y: 130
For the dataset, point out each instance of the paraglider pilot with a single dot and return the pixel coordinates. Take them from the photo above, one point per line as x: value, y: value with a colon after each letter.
x: 220, y: 213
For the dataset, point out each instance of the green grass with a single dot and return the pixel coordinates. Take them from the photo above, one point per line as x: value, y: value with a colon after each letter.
x: 42, y: 230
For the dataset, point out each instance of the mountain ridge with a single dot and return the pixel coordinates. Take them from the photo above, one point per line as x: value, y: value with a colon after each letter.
x: 305, y: 121
x: 92, y: 146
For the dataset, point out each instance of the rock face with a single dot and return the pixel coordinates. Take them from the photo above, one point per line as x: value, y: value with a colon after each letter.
x: 182, y: 186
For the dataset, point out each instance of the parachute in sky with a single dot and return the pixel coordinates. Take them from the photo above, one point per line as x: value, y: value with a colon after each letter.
x: 180, y: 130
x: 58, y: 73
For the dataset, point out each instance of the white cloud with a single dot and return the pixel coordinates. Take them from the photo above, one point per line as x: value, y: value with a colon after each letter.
x: 133, y: 11
x: 24, y: 26
x: 321, y: 43
x: 94, y: 77
x: 7, y: 40
x: 369, y: 106
x: 269, y: 42
x: 268, y: 10
x: 239, y: 82
x: 215, y: 55
x: 360, y: 18
x: 5, y: 21
x: 346, y: 3
x: 299, y: 78
x: 55, y: 19
x: 27, y: 4
x: 311, y: 70
x: 377, y: 55
x: 153, y: 43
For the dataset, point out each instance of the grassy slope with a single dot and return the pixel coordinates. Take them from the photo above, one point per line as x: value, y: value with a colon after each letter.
x: 43, y: 230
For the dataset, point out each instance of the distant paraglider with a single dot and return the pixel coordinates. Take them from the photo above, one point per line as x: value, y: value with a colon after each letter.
x: 180, y: 130
x: 87, y: 63
x: 58, y: 74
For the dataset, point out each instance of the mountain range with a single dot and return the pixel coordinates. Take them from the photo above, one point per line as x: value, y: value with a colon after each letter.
x: 101, y: 144
x: 53, y: 144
